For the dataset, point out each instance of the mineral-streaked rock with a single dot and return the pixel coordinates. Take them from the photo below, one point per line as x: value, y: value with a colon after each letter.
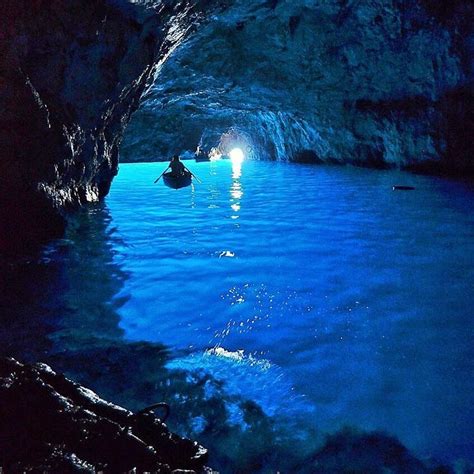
x: 50, y: 424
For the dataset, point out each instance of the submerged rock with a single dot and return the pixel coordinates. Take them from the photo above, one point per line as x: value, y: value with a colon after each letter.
x: 352, y: 452
x: 50, y: 424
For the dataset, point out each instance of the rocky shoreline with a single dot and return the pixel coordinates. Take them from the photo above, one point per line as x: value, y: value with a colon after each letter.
x: 51, y: 424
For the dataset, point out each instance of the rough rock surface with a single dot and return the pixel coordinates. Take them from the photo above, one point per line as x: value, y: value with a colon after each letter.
x: 375, y: 82
x: 50, y: 424
x: 71, y: 74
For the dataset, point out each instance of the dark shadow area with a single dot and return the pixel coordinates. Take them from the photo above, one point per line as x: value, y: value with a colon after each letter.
x: 307, y: 156
x: 44, y: 293
x: 451, y: 131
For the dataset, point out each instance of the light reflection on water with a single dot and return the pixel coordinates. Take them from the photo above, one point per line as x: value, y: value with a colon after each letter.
x: 315, y: 292
x: 236, y: 191
x: 360, y: 295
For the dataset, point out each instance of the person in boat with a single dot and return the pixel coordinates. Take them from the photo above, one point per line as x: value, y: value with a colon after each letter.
x: 177, y: 168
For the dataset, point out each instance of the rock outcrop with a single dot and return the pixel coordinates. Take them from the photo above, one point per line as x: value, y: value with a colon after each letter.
x: 383, y: 83
x: 50, y: 424
x: 71, y: 74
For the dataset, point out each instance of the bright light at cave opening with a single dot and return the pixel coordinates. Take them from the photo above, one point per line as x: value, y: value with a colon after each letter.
x: 236, y: 155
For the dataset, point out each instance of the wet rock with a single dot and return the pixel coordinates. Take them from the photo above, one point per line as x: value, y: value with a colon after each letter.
x: 71, y: 75
x: 49, y: 423
x: 352, y: 452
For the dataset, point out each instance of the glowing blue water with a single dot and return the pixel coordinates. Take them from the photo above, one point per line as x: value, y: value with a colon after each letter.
x: 268, y: 305
x: 351, y: 300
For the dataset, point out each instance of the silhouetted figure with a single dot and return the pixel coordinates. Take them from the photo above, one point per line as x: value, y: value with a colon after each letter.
x: 177, y: 168
x: 178, y: 176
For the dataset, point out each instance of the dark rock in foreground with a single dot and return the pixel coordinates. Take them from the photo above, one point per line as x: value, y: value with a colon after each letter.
x: 50, y: 424
x: 350, y: 452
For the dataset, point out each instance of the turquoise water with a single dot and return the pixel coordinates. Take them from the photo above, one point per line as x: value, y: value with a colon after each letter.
x: 361, y: 296
x: 278, y: 301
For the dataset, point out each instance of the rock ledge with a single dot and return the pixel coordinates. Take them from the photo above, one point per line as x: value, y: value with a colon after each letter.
x: 51, y: 424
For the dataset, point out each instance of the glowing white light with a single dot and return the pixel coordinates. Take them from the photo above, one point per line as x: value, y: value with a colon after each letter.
x: 236, y: 155
x: 215, y: 154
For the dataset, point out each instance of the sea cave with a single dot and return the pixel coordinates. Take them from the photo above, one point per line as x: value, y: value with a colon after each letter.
x: 237, y: 236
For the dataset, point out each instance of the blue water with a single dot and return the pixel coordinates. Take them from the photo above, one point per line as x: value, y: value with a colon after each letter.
x: 361, y: 297
x: 317, y: 294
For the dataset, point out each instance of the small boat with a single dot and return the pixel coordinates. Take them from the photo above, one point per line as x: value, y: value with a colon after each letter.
x: 202, y: 158
x: 177, y: 182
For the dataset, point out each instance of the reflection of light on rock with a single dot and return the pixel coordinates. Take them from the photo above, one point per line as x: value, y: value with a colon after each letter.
x: 215, y: 154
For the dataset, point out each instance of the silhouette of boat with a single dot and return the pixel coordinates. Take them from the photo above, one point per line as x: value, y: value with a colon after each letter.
x: 177, y: 182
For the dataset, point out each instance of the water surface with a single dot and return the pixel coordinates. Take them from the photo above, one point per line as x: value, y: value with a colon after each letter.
x: 283, y: 301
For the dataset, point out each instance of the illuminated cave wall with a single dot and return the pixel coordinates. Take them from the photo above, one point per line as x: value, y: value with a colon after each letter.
x: 377, y: 83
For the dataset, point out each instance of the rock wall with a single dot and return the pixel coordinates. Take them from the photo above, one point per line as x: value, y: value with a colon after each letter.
x: 50, y: 424
x: 373, y: 82
x: 71, y: 74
